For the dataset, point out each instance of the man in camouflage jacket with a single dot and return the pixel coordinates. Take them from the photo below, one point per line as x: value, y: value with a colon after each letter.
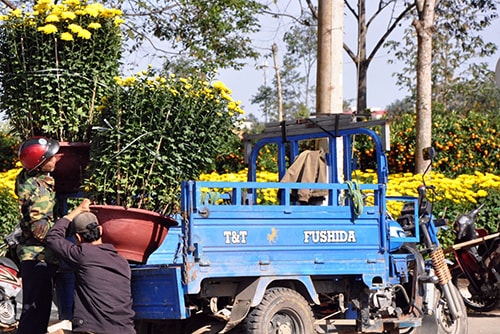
x: 35, y: 191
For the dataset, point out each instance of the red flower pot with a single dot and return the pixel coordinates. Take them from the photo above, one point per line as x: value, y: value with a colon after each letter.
x: 72, y: 159
x: 135, y: 233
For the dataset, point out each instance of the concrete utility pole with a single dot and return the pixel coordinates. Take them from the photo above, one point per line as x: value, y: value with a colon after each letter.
x: 329, y: 91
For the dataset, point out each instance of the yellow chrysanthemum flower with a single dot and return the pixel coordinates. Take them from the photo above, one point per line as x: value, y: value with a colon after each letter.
x: 118, y: 21
x: 75, y: 28
x: 84, y: 33
x: 66, y: 36
x: 219, y: 85
x: 48, y: 29
x: 16, y: 12
x: 226, y: 96
x: 118, y: 80
x: 52, y: 18
x: 482, y: 193
x: 110, y: 13
x: 58, y: 9
x: 129, y: 81
x: 71, y: 2
x: 94, y: 9
x: 95, y: 25
x: 68, y: 15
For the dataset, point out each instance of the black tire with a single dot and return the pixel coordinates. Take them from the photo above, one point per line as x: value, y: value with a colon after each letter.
x: 282, y: 310
x: 473, y: 301
x: 440, y: 321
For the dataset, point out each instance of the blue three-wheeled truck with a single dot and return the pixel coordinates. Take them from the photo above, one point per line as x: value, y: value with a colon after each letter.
x: 327, y: 258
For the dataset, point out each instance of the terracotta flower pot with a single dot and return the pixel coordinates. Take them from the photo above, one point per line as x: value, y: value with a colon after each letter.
x: 72, y: 159
x: 135, y: 233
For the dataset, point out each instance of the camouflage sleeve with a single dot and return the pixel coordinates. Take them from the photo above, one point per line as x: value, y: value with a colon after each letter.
x: 36, y: 202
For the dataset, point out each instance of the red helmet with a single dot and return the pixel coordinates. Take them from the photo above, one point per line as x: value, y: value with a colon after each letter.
x: 35, y: 151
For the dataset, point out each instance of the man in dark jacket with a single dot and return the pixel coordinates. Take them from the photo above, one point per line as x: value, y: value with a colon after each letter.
x: 103, y: 299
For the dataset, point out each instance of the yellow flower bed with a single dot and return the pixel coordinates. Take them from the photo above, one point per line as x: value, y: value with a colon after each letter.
x: 458, y: 190
x: 265, y: 196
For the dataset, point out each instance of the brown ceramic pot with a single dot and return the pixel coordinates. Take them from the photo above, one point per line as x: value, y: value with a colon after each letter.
x: 135, y: 233
x: 72, y: 159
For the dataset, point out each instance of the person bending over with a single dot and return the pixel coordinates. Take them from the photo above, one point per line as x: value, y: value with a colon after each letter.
x: 103, y: 298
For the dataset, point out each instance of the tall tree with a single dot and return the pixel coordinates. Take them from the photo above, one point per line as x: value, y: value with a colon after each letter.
x: 424, y: 25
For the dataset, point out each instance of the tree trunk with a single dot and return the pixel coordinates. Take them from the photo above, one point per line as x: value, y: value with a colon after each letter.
x: 424, y: 26
x: 361, y: 63
x: 361, y: 105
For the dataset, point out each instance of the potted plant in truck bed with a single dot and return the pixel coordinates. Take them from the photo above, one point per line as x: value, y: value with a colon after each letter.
x: 155, y: 131
x: 56, y: 62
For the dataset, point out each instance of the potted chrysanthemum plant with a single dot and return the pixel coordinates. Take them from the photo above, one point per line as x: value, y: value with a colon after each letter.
x: 154, y: 132
x: 56, y: 62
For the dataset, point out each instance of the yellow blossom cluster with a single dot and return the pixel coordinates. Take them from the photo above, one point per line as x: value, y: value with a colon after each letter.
x: 70, y: 18
x: 187, y: 86
x: 8, y: 179
x: 469, y: 188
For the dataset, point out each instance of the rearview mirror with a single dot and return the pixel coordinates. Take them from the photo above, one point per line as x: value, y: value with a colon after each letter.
x: 428, y: 153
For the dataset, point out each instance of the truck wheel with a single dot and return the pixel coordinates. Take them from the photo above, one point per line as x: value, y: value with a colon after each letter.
x: 440, y: 321
x: 283, y: 311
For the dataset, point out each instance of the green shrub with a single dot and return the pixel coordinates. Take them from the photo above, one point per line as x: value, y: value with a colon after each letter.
x: 9, y: 211
x: 460, y: 147
x: 489, y: 216
x: 8, y: 151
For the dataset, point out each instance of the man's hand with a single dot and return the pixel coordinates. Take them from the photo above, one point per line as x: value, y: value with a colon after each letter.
x: 83, y: 207
x: 40, y: 229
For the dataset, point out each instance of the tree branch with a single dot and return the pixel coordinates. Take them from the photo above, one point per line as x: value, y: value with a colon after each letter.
x: 286, y: 15
x: 353, y: 12
x: 350, y: 53
x: 313, y: 10
x: 9, y: 4
x: 382, y: 40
